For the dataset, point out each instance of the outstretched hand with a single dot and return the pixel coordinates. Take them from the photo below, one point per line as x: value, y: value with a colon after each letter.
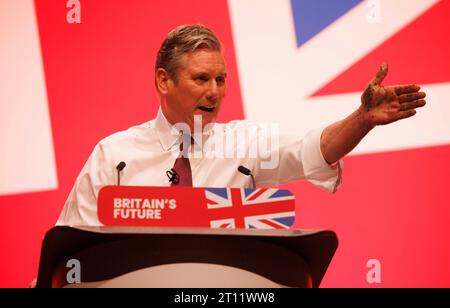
x: 382, y: 105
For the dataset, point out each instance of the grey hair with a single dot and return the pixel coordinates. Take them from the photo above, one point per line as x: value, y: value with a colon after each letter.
x: 182, y: 40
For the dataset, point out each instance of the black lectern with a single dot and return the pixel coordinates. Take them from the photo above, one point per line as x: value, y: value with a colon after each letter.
x: 185, y: 257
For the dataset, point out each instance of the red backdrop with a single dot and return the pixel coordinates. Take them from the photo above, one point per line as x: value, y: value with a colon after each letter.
x: 393, y: 206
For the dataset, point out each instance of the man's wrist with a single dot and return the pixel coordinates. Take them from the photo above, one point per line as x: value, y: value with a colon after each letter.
x: 363, y: 120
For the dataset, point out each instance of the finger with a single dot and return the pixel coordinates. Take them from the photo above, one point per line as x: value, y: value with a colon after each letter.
x: 404, y: 115
x: 411, y: 97
x: 403, y: 89
x: 413, y: 105
x: 381, y: 74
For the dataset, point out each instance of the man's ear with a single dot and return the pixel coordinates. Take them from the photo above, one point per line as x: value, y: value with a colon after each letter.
x: 162, y: 79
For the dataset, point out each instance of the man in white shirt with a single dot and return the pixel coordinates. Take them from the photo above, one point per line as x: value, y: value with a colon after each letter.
x: 190, y: 76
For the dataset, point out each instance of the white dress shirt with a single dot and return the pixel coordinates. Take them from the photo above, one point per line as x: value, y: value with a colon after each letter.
x: 150, y: 149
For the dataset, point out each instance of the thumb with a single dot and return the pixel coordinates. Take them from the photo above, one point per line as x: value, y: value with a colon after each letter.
x: 381, y: 74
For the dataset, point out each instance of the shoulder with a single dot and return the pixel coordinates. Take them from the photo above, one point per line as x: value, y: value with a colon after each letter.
x: 125, y: 143
x: 128, y: 135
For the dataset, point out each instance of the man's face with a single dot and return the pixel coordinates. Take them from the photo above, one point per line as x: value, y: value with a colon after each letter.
x: 199, y: 90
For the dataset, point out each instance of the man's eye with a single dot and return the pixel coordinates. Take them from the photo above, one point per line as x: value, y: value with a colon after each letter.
x: 202, y: 78
x: 220, y: 80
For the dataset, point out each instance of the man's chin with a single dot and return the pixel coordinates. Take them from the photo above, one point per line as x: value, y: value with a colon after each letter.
x: 205, y: 116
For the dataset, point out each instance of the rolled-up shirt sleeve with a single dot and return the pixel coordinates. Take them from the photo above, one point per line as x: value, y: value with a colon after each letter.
x: 316, y: 168
x: 300, y: 159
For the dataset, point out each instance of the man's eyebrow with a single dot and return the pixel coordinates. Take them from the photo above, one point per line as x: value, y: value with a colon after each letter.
x: 200, y: 73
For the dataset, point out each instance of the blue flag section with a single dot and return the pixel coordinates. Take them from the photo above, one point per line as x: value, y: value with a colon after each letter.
x: 312, y: 16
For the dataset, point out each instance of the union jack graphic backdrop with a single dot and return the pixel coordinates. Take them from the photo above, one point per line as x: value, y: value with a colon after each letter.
x: 261, y: 208
x: 302, y: 63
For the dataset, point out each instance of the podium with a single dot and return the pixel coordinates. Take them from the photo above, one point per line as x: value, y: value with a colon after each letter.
x: 185, y: 257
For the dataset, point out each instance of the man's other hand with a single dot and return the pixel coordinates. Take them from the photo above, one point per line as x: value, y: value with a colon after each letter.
x: 382, y: 105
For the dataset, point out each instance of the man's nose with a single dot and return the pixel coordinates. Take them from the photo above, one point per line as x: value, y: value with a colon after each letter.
x: 213, y: 91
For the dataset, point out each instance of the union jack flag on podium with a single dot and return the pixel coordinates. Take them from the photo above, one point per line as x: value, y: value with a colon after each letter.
x: 260, y: 208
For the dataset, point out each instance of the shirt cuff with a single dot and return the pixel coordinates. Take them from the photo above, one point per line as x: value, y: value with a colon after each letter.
x: 317, y: 170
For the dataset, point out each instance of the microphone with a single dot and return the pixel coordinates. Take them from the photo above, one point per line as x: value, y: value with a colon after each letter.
x: 119, y: 168
x: 247, y: 172
x: 173, y: 176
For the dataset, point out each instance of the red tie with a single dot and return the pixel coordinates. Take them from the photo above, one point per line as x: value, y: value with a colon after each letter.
x: 182, y: 166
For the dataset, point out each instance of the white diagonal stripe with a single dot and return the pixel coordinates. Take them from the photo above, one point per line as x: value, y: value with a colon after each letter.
x: 27, y: 161
x: 350, y: 38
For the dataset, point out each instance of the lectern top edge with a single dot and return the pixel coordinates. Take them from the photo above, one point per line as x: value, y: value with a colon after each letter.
x: 197, y: 231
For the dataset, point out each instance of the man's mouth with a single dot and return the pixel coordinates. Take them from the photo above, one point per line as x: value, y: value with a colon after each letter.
x: 207, y: 109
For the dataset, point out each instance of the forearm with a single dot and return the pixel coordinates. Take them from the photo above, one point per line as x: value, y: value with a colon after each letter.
x: 340, y: 138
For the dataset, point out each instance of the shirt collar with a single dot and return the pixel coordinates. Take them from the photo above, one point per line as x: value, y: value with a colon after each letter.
x: 169, y: 136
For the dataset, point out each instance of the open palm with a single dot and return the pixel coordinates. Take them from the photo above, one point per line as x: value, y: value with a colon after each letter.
x: 386, y: 104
